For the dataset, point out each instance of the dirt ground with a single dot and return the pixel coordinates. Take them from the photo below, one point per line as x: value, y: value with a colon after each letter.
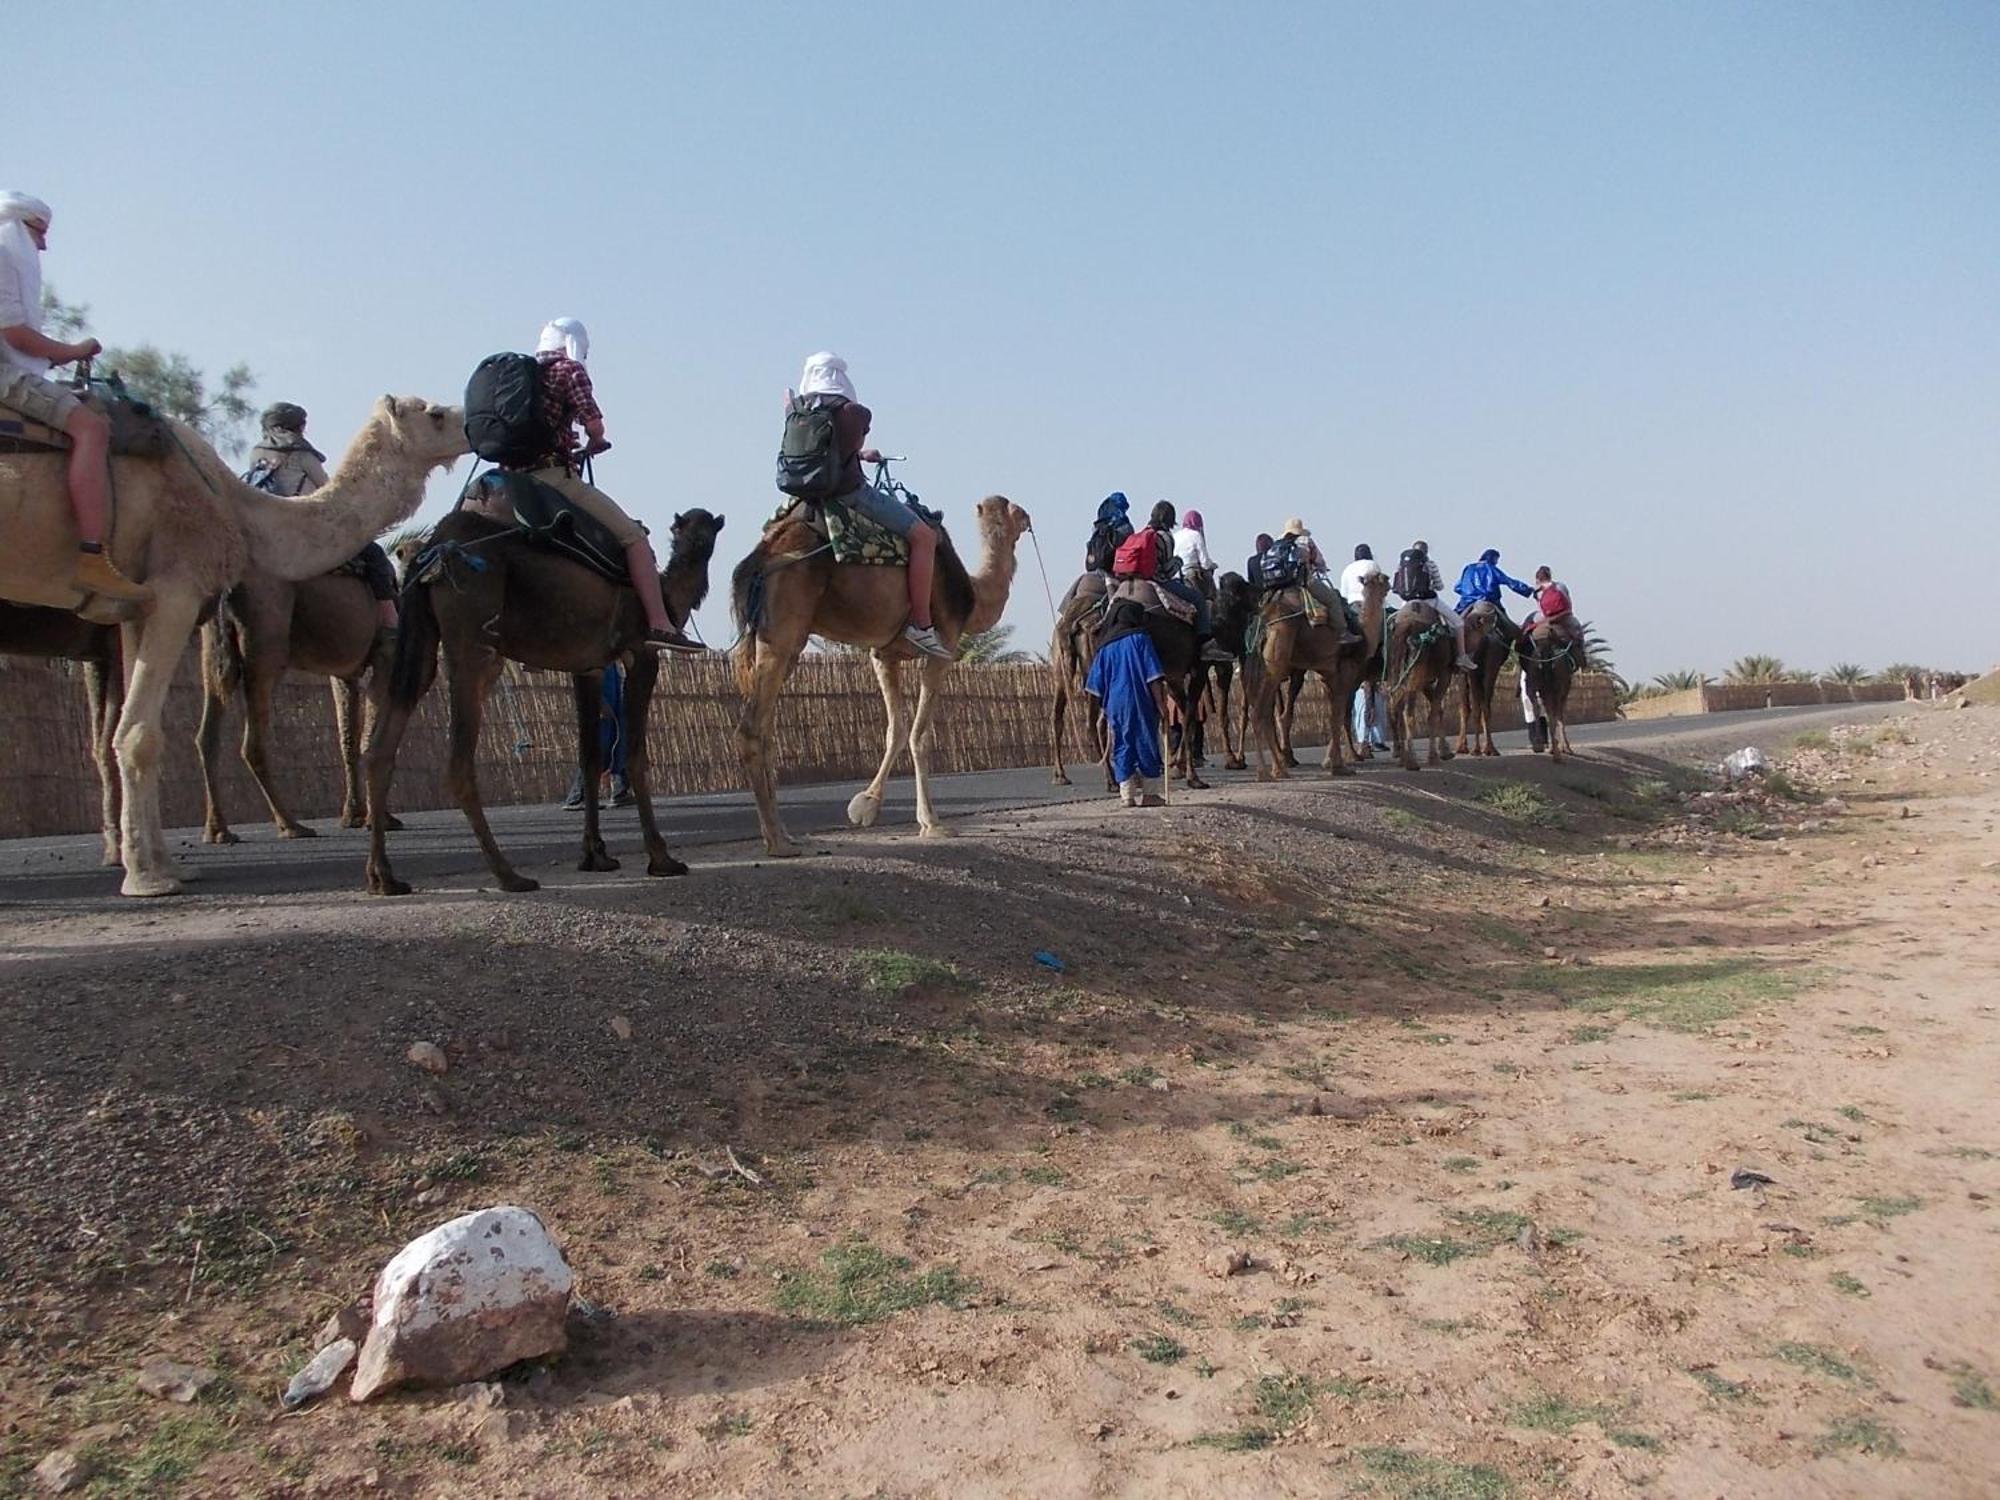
x: 1449, y: 1073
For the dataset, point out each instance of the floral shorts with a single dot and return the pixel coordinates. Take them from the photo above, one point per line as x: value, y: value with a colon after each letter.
x: 37, y: 399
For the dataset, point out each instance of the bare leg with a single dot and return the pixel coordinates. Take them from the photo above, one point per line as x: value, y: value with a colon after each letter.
x: 866, y: 805
x: 923, y: 560
x: 221, y: 675
x: 589, y: 690
x: 161, y: 638
x: 644, y: 571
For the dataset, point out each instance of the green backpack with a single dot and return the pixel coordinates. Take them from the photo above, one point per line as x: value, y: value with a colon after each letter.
x: 809, y: 455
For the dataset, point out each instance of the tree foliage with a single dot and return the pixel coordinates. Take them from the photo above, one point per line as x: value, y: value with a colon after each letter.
x: 1748, y: 669
x: 1846, y: 672
x: 992, y: 647
x: 169, y: 382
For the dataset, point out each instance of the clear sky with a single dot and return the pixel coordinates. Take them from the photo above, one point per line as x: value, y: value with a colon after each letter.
x: 1695, y: 302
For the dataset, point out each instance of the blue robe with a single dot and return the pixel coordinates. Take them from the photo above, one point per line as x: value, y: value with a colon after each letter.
x: 1121, y: 678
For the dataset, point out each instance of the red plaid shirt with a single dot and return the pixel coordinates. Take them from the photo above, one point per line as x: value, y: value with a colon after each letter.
x: 568, y: 403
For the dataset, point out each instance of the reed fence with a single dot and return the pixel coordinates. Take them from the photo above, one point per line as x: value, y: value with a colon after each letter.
x: 830, y: 728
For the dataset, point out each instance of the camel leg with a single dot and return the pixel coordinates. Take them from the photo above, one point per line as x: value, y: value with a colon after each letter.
x: 221, y: 675
x: 373, y: 704
x: 1400, y: 727
x: 589, y: 690
x: 1285, y: 727
x: 1270, y: 759
x: 1334, y: 766
x: 1190, y: 773
x: 259, y: 685
x: 470, y: 683
x: 1232, y: 741
x: 1058, y: 711
x: 1466, y: 689
x: 641, y: 680
x: 766, y: 671
x: 385, y: 738
x: 930, y: 683
x: 103, y: 692
x: 1439, y: 751
x: 347, y: 731
x: 866, y: 805
x: 153, y: 647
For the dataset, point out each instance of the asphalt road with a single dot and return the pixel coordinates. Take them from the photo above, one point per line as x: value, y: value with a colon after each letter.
x: 436, y: 848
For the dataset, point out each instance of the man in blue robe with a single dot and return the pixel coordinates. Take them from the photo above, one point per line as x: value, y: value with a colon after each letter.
x: 1127, y: 680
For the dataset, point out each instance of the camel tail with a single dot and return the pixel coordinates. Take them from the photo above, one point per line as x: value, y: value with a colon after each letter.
x: 746, y: 592
x: 416, y: 645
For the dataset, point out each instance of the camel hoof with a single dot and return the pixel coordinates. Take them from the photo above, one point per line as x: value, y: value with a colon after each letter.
x: 1059, y: 780
x: 1236, y: 763
x: 936, y: 831
x: 518, y: 885
x: 783, y: 849
x: 665, y: 864
x: 216, y: 836
x: 1196, y: 784
x: 140, y: 883
x: 863, y: 810
x: 353, y: 820
x: 596, y: 859
x: 1340, y: 770
x: 112, y: 860
x: 298, y: 831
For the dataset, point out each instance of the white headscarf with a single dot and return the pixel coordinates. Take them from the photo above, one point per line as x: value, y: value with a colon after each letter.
x: 826, y: 375
x: 20, y: 253
x: 565, y: 336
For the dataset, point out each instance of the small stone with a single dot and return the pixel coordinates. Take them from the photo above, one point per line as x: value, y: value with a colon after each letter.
x: 1541, y: 900
x: 1549, y: 953
x: 621, y: 1028
x: 1226, y: 1263
x: 429, y: 1056
x: 1158, y: 1085
x: 371, y: 1479
x: 61, y: 1471
x: 317, y: 1378
x: 431, y: 1099
x: 1904, y: 812
x: 171, y: 1380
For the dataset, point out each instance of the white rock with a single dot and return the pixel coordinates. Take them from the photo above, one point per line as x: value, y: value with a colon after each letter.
x: 60, y: 1472
x: 621, y: 1028
x: 427, y: 1055
x: 317, y: 1378
x: 471, y: 1297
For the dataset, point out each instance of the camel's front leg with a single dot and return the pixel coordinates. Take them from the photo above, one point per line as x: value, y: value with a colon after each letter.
x: 260, y: 682
x: 1061, y: 676
x: 641, y: 680
x: 588, y: 688
x: 765, y: 673
x: 1336, y: 706
x: 220, y: 678
x: 470, y: 683
x: 1465, y: 721
x: 866, y: 805
x: 930, y: 682
x: 1439, y: 751
x: 1270, y: 755
x: 153, y: 648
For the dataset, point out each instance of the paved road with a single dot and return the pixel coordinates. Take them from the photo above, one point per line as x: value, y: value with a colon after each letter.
x: 437, y: 848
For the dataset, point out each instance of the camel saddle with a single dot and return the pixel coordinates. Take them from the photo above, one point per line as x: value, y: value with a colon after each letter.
x: 852, y: 537
x: 137, y: 431
x: 547, y: 519
x: 1153, y: 599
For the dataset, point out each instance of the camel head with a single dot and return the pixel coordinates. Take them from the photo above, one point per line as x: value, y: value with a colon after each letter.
x: 433, y: 435
x: 1001, y: 522
x: 685, y: 581
x: 1375, y: 589
x: 694, y: 535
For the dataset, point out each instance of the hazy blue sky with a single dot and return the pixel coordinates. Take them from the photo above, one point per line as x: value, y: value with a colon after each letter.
x: 1695, y: 302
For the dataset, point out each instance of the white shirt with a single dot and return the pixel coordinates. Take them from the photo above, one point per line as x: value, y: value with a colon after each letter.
x: 1191, y: 547
x: 1353, y: 575
x: 17, y: 310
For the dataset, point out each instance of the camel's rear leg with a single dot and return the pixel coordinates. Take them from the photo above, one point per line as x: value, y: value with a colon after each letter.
x: 104, y: 694
x: 1466, y: 723
x: 221, y: 676
x: 929, y: 681
x: 641, y: 681
x: 259, y: 686
x: 470, y: 682
x: 1335, y: 707
x: 588, y: 688
x: 1058, y: 710
x: 153, y: 649
x: 762, y: 675
x: 866, y: 805
x: 393, y: 713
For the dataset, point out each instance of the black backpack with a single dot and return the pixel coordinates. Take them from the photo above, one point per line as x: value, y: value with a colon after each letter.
x: 809, y: 455
x: 1413, y: 576
x: 1278, y: 566
x: 1102, y: 548
x: 503, y: 412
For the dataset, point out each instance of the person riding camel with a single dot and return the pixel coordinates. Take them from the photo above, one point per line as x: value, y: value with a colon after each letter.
x: 1418, y: 581
x: 1111, y: 526
x: 1165, y: 573
x: 1316, y: 583
x: 1554, y: 609
x: 825, y: 382
x: 1191, y: 545
x: 568, y: 402
x: 1481, y: 582
x: 26, y: 356
x: 283, y: 463
x: 1250, y: 568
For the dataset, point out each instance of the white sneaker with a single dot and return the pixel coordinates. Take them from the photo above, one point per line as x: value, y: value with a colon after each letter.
x: 1466, y: 663
x: 926, y: 640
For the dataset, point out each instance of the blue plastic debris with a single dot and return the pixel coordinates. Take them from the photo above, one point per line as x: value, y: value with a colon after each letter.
x: 1049, y: 961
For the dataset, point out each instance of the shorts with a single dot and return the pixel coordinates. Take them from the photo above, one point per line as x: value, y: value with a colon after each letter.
x: 37, y: 399
x: 881, y: 507
x: 594, y: 503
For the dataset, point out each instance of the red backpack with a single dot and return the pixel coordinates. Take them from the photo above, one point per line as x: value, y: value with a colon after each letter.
x: 1138, y: 555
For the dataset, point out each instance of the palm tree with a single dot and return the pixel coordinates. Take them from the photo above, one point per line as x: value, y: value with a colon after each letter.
x: 990, y: 647
x: 1846, y: 673
x: 1747, y: 669
x: 1678, y: 682
x: 1898, y: 671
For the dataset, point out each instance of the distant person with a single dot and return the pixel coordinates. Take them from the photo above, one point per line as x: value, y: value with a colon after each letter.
x: 1191, y: 545
x: 1371, y: 727
x: 1250, y: 568
x: 284, y: 463
x: 1418, y: 581
x: 26, y: 356
x: 1129, y: 683
x: 1554, y: 609
x: 1481, y: 582
x: 610, y: 744
x: 1316, y: 583
x: 1112, y: 525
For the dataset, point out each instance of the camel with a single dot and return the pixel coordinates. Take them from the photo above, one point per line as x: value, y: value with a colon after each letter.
x: 1489, y: 654
x: 789, y: 588
x: 508, y: 599
x: 1550, y: 665
x: 189, y: 528
x: 326, y: 626
x: 1233, y: 608
x: 1422, y: 654
x: 1070, y: 655
x: 27, y: 631
x: 1289, y: 645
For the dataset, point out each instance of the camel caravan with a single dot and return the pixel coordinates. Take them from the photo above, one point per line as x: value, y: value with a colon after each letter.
x: 133, y: 539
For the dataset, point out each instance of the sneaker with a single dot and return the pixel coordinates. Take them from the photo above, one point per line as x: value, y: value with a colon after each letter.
x: 574, y: 801
x: 926, y: 640
x: 621, y: 792
x: 1466, y: 663
x: 97, y: 574
x: 671, y: 639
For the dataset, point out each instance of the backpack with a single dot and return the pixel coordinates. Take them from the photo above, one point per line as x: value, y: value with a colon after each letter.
x: 1101, y: 551
x: 504, y: 423
x: 1138, y: 555
x: 1279, y: 565
x: 1413, y: 577
x: 809, y: 464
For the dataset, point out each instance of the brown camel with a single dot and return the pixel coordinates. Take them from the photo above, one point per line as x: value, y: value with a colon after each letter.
x: 1423, y: 652
x: 26, y: 631
x: 1234, y: 605
x: 1289, y: 645
x: 1475, y: 704
x: 189, y: 528
x: 325, y: 626
x: 1550, y: 661
x: 506, y: 599
x: 789, y: 588
x: 1071, y: 653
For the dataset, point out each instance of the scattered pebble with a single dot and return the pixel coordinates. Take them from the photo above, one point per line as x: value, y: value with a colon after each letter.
x: 429, y: 1056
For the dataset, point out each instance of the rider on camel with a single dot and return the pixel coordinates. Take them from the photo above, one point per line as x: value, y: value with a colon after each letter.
x: 1481, y: 583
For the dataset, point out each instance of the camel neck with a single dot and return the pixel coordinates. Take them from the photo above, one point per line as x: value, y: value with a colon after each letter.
x: 993, y: 582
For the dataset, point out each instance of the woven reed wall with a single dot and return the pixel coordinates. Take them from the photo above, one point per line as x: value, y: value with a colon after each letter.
x: 830, y: 728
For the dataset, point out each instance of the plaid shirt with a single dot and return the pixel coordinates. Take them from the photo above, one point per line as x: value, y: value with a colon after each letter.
x: 567, y: 403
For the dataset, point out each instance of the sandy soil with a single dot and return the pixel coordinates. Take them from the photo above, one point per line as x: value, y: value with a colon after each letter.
x: 1450, y: 1072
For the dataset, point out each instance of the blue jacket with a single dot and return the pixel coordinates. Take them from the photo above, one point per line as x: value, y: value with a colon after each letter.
x: 1482, y: 581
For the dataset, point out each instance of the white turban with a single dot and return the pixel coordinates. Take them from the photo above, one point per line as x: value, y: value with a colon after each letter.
x: 826, y: 375
x: 565, y: 336
x: 20, y: 255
